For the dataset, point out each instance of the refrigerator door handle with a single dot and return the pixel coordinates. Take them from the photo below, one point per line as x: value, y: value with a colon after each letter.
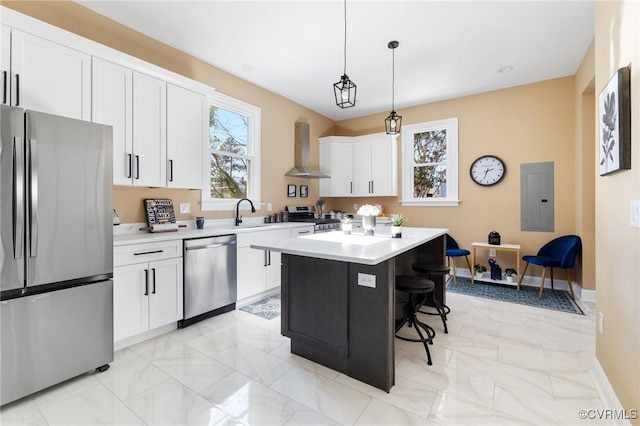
x: 33, y: 195
x: 18, y: 197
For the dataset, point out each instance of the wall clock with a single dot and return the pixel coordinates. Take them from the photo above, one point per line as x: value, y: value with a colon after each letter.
x: 487, y: 170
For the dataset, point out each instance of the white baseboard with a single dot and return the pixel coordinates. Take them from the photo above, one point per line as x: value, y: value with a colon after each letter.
x: 606, y: 392
x: 586, y: 295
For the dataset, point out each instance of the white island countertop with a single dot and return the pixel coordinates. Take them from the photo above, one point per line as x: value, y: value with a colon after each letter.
x: 356, y: 247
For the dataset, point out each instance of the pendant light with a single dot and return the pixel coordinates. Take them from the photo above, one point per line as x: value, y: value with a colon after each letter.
x: 345, y: 89
x: 393, y: 122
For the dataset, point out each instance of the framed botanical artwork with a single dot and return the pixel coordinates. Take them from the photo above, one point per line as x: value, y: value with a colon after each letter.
x: 291, y: 190
x: 614, y: 123
x: 304, y: 191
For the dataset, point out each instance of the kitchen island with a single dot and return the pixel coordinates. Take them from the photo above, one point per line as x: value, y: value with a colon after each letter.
x: 338, y: 296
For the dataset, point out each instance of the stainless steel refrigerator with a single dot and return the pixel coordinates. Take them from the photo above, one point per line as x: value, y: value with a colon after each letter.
x: 56, y: 258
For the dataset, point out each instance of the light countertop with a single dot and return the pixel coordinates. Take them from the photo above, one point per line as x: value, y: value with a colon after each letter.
x: 355, y: 248
x: 191, y: 232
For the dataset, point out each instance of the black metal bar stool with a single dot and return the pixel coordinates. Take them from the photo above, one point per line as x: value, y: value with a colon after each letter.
x: 417, y: 288
x: 431, y: 270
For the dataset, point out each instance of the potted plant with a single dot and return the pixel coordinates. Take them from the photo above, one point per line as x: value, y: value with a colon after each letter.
x: 510, y: 275
x: 480, y: 270
x: 396, y: 226
x: 347, y: 224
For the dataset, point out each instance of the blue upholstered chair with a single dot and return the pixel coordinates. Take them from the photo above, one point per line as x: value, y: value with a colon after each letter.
x: 557, y: 253
x: 453, y: 251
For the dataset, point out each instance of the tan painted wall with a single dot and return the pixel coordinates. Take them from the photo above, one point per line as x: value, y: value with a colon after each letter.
x: 526, y: 124
x: 617, y: 39
x: 585, y: 170
x: 278, y: 114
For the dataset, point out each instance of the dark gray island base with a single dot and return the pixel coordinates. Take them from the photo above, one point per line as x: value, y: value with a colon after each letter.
x: 342, y: 313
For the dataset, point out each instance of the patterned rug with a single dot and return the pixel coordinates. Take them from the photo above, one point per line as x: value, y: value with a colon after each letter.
x: 268, y: 308
x: 559, y: 300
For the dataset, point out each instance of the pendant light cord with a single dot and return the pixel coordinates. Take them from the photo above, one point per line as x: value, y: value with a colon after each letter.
x: 344, y: 72
x: 393, y: 80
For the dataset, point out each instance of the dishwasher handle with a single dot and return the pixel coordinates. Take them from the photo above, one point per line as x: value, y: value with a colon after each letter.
x: 210, y: 246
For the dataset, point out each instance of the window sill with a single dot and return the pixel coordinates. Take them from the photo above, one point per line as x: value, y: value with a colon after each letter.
x: 431, y: 203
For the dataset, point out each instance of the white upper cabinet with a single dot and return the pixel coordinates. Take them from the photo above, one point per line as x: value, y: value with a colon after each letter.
x: 47, y: 76
x: 5, y: 64
x: 384, y: 165
x: 187, y: 122
x: 336, y: 160
x: 149, y: 131
x: 112, y: 100
x: 362, y: 166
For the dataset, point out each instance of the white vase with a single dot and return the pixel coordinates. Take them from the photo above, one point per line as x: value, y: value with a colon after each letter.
x: 396, y: 231
x: 368, y: 224
x: 510, y: 278
x: 347, y: 227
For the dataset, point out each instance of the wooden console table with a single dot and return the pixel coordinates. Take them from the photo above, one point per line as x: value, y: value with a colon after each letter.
x: 502, y: 247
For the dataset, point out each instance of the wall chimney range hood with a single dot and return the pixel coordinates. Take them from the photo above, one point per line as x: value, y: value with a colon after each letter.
x: 301, y: 167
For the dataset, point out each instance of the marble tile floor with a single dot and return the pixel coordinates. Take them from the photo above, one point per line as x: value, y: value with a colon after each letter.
x: 501, y: 363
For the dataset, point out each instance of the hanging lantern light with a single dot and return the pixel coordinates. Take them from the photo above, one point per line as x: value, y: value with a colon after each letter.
x: 393, y: 122
x: 345, y: 89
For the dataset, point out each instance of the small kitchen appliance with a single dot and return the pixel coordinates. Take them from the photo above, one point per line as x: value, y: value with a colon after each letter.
x: 305, y: 214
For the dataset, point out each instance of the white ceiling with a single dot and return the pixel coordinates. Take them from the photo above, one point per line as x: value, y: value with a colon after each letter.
x: 447, y: 48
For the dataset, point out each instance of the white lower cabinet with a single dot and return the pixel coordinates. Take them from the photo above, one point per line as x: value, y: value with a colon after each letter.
x: 258, y: 270
x: 147, y: 287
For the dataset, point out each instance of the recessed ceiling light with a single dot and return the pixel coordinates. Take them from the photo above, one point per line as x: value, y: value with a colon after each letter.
x: 246, y: 67
x: 505, y: 69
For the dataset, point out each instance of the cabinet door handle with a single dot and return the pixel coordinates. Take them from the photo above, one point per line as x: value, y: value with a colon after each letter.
x: 137, y: 167
x: 170, y: 170
x: 265, y: 259
x: 153, y: 278
x: 127, y: 165
x: 268, y: 257
x: 17, y: 89
x: 4, y: 87
x: 303, y: 232
x: 146, y: 282
x: 372, y: 187
x: 350, y: 187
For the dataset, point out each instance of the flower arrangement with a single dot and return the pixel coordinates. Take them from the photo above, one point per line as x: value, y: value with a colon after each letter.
x: 346, y: 220
x: 368, y: 210
x: 509, y: 272
x: 399, y: 220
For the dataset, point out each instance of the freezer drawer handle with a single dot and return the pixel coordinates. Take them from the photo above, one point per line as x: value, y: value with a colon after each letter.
x: 18, y: 197
x: 33, y: 192
x: 148, y: 252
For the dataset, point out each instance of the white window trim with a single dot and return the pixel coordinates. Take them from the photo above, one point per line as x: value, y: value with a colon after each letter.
x: 254, y: 113
x: 451, y: 125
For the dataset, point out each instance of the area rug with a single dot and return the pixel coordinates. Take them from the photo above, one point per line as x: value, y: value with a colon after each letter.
x: 268, y: 308
x: 559, y: 300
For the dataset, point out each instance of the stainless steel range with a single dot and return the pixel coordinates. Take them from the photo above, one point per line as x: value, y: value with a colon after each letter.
x: 306, y: 214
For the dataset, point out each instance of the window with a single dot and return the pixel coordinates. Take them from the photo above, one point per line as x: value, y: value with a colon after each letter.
x: 430, y: 163
x: 233, y: 165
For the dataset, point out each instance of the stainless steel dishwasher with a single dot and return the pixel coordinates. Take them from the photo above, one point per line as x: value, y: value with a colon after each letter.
x: 210, y: 277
